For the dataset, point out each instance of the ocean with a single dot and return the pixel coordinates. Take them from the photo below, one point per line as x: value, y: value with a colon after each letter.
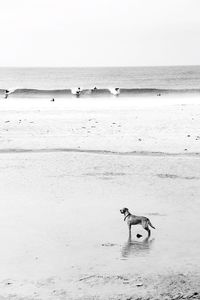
x: 60, y: 81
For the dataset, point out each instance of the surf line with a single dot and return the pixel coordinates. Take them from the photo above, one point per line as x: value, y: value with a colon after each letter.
x: 101, y: 152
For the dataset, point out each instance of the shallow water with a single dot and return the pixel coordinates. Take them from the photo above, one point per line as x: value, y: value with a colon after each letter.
x: 59, y: 214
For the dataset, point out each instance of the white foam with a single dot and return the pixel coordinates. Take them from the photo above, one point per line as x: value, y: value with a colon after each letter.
x: 114, y: 91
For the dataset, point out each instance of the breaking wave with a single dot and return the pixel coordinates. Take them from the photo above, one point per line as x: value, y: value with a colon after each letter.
x: 95, y: 92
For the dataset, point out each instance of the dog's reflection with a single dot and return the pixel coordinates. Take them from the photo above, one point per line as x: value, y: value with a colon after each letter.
x: 134, y: 247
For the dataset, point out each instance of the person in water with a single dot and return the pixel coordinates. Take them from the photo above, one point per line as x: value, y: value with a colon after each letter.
x: 117, y: 91
x: 78, y: 92
x: 6, y: 94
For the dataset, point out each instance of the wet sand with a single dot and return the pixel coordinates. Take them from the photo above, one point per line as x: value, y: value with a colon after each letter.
x: 62, y: 235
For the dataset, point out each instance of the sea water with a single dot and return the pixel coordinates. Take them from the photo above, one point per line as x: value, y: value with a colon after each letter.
x: 175, y: 77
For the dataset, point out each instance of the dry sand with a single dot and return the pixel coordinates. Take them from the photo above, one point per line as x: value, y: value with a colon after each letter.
x: 62, y: 236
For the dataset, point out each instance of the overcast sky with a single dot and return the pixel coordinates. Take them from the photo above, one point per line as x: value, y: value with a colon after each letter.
x: 99, y: 32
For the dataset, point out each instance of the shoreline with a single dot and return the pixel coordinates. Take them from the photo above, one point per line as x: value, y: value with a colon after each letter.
x: 100, y: 152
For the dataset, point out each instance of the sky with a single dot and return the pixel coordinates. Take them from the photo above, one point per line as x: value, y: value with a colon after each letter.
x: 62, y: 33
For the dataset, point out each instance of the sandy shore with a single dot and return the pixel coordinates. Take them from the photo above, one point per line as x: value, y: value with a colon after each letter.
x: 67, y: 169
x: 117, y: 125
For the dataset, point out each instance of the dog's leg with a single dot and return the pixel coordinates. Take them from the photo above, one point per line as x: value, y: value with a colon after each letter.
x: 146, y: 227
x: 149, y: 231
x: 129, y: 230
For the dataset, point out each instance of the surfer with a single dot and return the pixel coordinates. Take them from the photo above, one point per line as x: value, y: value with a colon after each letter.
x: 6, y: 94
x: 78, y: 92
x: 116, y: 91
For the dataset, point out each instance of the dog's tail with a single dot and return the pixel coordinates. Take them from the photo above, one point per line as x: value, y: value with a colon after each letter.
x: 150, y: 224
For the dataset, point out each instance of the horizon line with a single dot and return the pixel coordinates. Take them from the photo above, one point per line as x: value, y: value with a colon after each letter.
x: 120, y: 66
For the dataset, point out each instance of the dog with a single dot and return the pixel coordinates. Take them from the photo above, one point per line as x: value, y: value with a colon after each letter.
x: 135, y: 220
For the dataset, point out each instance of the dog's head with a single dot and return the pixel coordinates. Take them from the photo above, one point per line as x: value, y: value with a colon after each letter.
x: 124, y: 210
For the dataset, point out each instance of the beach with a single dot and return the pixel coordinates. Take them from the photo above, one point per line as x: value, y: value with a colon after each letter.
x: 68, y: 167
